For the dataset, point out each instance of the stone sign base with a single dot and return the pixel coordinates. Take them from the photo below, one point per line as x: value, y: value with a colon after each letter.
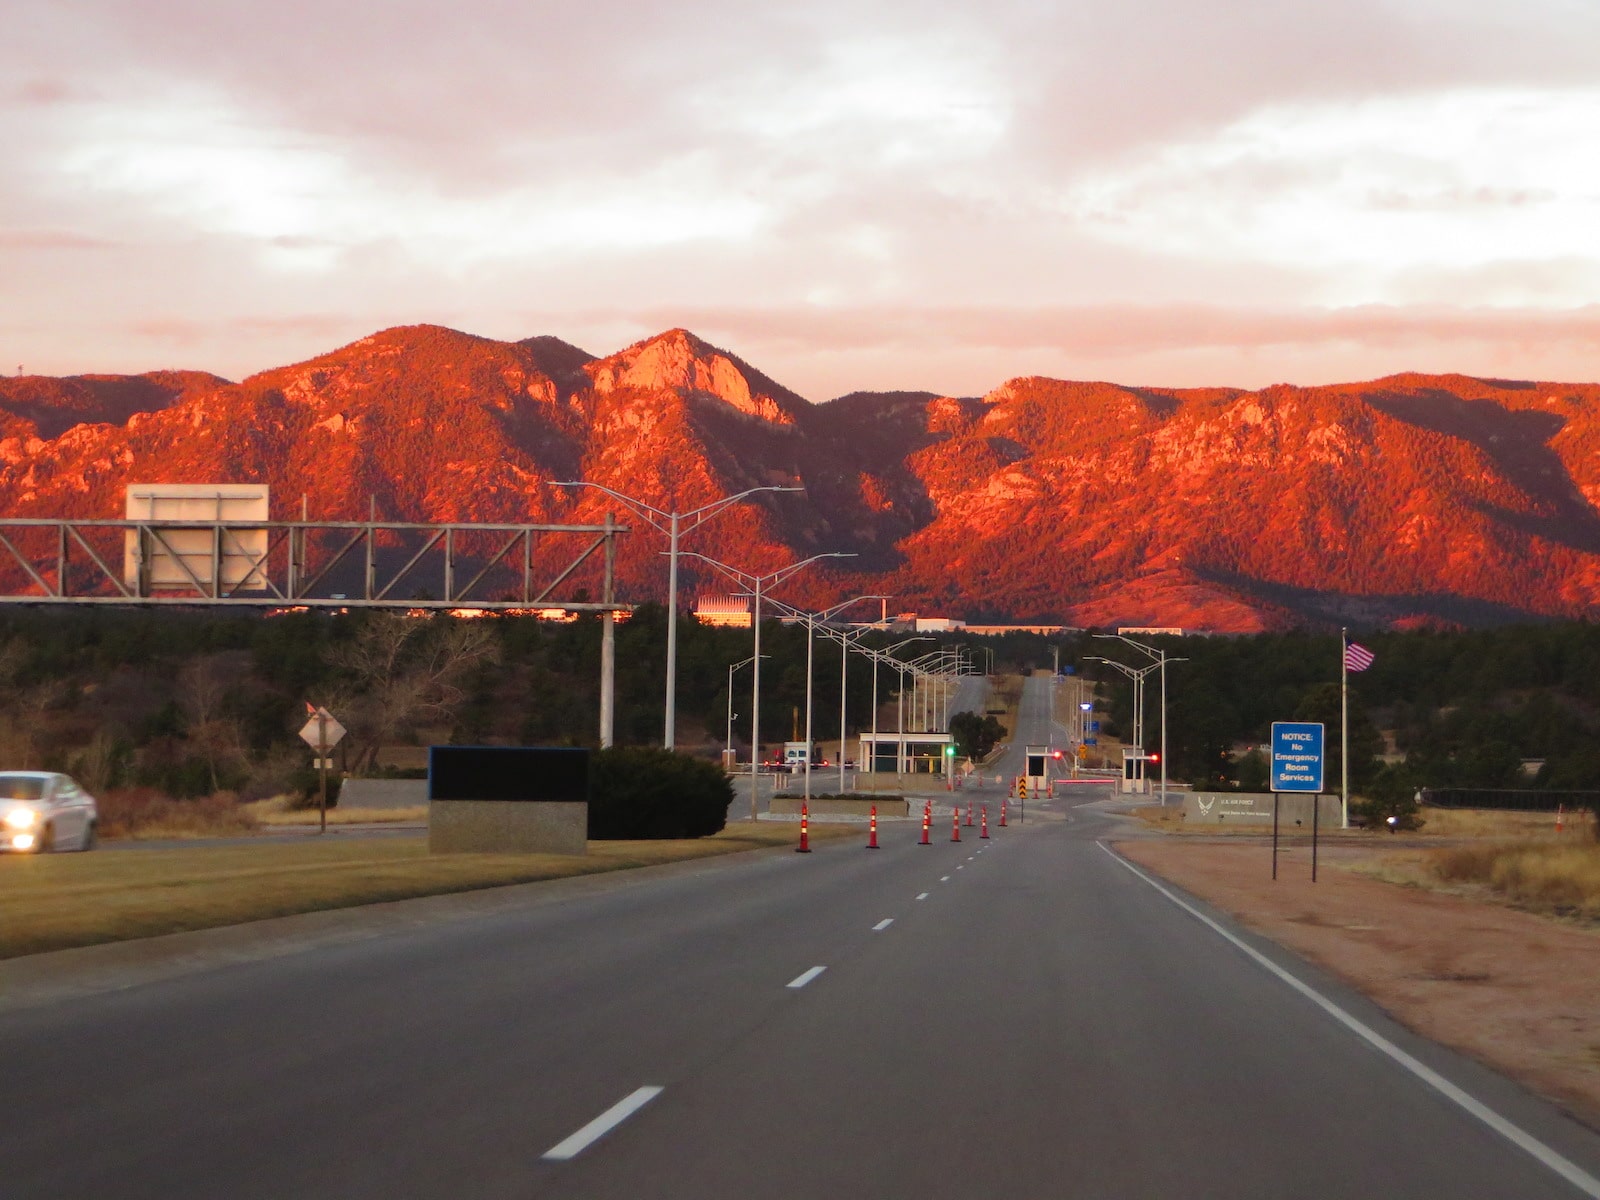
x: 1255, y: 808
x: 508, y: 827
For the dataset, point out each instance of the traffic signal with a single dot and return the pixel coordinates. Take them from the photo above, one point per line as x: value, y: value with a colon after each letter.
x: 949, y: 751
x: 1055, y: 754
x: 1155, y: 758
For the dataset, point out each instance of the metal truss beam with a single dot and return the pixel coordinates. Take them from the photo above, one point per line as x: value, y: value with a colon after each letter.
x: 280, y: 564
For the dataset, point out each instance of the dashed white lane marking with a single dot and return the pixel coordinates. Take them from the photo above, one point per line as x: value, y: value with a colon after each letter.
x: 970, y: 857
x: 883, y: 924
x: 944, y: 879
x: 805, y: 977
x: 1560, y: 1164
x: 603, y: 1124
x: 961, y: 866
x: 922, y: 895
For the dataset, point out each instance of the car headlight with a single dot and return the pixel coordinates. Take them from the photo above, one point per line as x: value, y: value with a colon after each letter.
x: 22, y: 818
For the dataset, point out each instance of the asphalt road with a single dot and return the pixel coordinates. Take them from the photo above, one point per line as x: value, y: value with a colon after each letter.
x: 1023, y: 1017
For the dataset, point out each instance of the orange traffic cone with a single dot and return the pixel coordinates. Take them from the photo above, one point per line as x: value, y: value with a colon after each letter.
x: 1002, y: 814
x: 872, y: 838
x: 927, y: 820
x: 805, y: 833
x: 985, y: 832
x: 1561, y: 811
x: 969, y: 814
x: 955, y: 824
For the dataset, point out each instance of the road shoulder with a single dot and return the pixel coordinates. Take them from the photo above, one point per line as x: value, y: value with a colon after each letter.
x: 1513, y: 990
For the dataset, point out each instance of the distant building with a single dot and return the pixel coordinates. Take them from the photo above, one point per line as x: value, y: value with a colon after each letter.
x: 1152, y: 630
x: 727, y: 612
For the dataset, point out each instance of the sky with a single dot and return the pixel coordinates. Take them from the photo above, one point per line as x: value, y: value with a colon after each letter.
x: 850, y: 195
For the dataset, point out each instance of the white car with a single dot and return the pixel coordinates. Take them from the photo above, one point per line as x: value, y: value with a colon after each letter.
x: 44, y: 810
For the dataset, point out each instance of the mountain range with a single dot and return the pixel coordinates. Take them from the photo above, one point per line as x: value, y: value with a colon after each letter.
x: 1408, y: 500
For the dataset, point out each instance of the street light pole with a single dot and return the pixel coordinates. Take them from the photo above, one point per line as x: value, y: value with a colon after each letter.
x: 755, y: 583
x: 670, y: 523
x: 1161, y: 658
x: 732, y: 667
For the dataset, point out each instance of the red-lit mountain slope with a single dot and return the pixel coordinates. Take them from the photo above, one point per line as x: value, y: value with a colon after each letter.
x: 1409, y: 498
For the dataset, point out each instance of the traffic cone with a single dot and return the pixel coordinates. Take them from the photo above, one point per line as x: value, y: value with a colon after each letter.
x: 927, y: 820
x: 969, y: 814
x: 872, y: 838
x: 955, y: 824
x: 805, y: 833
x: 1002, y: 814
x: 1560, y: 812
x: 985, y: 832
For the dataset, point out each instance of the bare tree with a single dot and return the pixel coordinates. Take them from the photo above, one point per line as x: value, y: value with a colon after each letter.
x: 203, y: 686
x: 401, y: 672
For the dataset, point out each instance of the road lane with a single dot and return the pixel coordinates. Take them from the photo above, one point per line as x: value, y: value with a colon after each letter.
x: 1035, y: 1020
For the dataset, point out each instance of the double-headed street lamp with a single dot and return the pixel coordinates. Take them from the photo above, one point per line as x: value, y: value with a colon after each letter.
x: 1161, y: 659
x: 732, y: 667
x: 812, y: 620
x: 1137, y: 674
x: 671, y: 524
x: 756, y: 583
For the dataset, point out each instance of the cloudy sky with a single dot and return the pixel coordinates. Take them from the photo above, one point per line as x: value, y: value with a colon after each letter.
x: 849, y: 194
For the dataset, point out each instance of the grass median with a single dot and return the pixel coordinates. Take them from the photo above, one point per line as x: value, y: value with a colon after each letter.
x: 52, y: 902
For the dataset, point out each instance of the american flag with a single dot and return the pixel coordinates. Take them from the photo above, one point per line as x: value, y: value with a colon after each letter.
x: 1357, y: 657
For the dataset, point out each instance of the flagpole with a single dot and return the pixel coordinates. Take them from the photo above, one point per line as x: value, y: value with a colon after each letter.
x: 1344, y: 727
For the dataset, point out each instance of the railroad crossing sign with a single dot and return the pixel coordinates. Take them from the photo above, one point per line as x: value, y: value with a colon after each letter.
x: 323, y: 731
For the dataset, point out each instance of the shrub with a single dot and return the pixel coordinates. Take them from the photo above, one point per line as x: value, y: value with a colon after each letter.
x: 305, y: 788
x: 1392, y: 794
x: 636, y: 792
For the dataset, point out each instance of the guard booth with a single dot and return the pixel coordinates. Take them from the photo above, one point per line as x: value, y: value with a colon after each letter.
x: 1133, y: 780
x: 1036, y: 770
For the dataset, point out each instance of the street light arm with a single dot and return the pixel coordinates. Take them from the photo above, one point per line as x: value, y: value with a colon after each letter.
x: 650, y: 512
x: 706, y: 511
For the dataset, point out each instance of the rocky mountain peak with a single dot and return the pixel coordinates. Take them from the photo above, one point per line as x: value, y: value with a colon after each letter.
x: 678, y: 361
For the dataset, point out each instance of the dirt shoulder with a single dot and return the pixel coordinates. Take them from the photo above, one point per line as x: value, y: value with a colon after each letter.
x: 1517, y: 991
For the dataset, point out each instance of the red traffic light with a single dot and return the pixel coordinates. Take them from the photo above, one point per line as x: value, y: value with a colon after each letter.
x: 1153, y: 757
x: 1056, y: 754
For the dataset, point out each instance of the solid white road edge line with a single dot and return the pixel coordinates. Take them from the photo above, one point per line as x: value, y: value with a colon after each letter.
x: 883, y: 924
x: 805, y: 977
x: 922, y: 895
x: 1557, y: 1162
x: 601, y: 1125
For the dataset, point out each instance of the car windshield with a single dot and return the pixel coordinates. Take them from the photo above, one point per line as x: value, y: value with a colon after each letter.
x: 21, y: 787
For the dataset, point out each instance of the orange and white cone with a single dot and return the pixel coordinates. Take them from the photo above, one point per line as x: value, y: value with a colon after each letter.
x: 969, y: 814
x: 872, y: 837
x: 955, y: 824
x: 985, y: 832
x: 927, y: 820
x: 805, y: 832
x: 1002, y: 814
x: 1561, y: 812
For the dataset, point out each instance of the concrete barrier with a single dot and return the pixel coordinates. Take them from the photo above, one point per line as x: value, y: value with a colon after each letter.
x: 383, y: 793
x: 888, y: 806
x: 1255, y: 808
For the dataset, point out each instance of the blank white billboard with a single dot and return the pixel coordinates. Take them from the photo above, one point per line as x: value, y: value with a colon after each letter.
x: 167, y: 558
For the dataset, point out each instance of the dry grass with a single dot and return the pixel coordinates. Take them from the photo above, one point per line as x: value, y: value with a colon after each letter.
x: 55, y: 901
x: 1452, y: 823
x: 1555, y: 877
x: 276, y: 812
x: 146, y: 813
x: 1499, y: 823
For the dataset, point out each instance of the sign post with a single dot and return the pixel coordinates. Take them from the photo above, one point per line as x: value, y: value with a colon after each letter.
x: 1297, y: 760
x: 322, y: 733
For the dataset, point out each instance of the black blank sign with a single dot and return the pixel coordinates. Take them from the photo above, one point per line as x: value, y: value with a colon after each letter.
x: 508, y: 773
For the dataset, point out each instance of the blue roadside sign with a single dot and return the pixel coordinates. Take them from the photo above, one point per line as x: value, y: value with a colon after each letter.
x: 1296, y: 756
